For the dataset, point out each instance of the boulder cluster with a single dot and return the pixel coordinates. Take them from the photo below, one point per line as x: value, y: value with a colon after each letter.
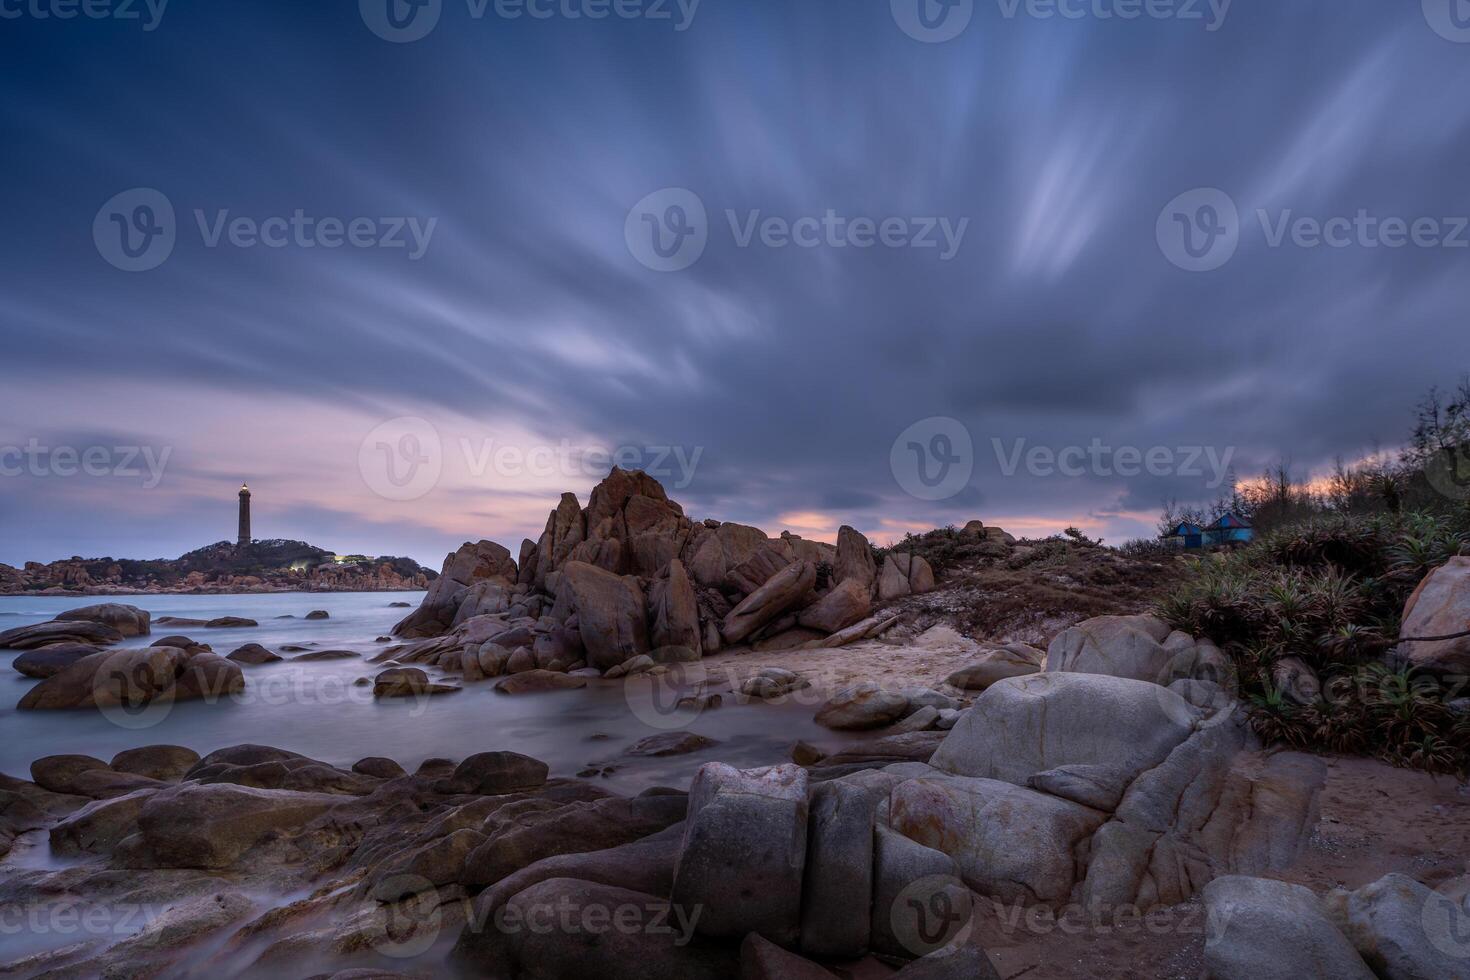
x: 69, y: 657
x: 629, y: 582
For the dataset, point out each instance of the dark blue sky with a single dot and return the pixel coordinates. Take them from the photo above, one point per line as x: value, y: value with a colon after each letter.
x: 518, y: 147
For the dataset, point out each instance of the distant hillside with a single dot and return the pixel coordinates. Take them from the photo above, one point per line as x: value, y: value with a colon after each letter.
x: 262, y: 566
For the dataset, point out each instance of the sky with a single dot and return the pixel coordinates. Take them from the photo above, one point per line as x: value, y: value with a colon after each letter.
x: 413, y: 271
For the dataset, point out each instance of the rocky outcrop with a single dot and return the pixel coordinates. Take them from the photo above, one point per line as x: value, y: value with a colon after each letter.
x: 782, y: 592
x: 904, y: 575
x: 674, y: 612
x: 472, y: 563
x: 855, y: 560
x: 1106, y: 790
x: 611, y: 612
x: 1440, y: 606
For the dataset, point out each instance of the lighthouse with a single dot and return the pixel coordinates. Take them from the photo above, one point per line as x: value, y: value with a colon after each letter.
x: 244, y: 517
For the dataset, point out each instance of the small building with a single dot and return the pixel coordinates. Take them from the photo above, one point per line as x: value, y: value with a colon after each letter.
x: 1185, y: 534
x: 1230, y: 528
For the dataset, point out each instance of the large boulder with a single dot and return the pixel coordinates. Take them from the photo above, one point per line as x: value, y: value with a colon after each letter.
x: 47, y: 634
x: 211, y: 826
x: 1007, y: 841
x: 1118, y: 646
x: 744, y: 851
x: 127, y: 620
x: 253, y: 654
x: 497, y: 773
x: 838, y: 885
x: 610, y: 610
x: 848, y: 602
x: 1440, y: 606
x: 996, y: 664
x: 1403, y: 929
x: 674, y: 611
x: 854, y: 560
x: 407, y: 682
x: 1272, y: 930
x: 780, y: 594
x: 862, y: 706
x: 1028, y: 725
x: 49, y: 661
x: 166, y: 762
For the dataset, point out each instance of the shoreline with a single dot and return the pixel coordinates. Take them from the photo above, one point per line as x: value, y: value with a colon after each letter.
x: 91, y: 593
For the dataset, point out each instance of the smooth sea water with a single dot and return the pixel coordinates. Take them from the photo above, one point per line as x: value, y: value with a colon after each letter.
x: 314, y: 709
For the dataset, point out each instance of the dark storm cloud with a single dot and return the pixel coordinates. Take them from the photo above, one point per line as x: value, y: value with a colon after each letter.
x: 1059, y: 321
